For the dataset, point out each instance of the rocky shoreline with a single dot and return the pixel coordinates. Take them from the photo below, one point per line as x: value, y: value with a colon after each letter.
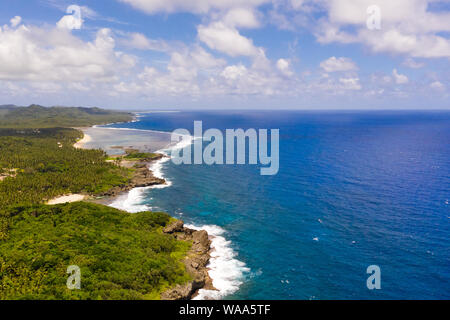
x: 142, y: 177
x: 198, y: 256
x: 196, y: 262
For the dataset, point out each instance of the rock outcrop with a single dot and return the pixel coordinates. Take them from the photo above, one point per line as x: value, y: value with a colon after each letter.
x: 195, y: 262
x: 142, y: 177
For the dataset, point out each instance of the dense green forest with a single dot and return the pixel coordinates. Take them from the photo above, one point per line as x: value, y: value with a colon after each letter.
x: 36, y: 116
x: 121, y: 255
x: 47, y: 165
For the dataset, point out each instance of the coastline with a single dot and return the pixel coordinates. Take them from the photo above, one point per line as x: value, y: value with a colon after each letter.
x: 86, y: 138
x: 147, y: 175
x: 225, y: 271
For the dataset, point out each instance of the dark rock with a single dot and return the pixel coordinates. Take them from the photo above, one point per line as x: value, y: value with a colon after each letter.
x: 142, y: 177
x: 196, y: 261
x: 176, y: 226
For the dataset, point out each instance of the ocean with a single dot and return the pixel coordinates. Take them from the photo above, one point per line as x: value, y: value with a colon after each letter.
x: 354, y: 189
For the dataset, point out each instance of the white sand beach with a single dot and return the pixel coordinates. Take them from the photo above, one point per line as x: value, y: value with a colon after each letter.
x: 67, y: 199
x: 80, y: 143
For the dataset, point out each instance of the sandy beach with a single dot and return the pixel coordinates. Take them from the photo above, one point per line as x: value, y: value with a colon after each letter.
x: 67, y: 199
x: 86, y: 138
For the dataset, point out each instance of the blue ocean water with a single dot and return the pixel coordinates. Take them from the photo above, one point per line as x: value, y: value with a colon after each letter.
x: 354, y: 189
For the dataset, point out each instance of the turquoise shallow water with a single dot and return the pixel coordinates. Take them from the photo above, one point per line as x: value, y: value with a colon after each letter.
x: 110, y: 140
x: 354, y: 189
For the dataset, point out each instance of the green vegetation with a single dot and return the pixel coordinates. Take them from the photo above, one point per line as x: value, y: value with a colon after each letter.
x: 47, y: 165
x: 36, y: 116
x: 144, y: 156
x: 121, y: 255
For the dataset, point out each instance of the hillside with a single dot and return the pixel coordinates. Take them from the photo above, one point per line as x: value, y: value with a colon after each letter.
x: 36, y: 116
x: 4, y: 109
x: 121, y: 255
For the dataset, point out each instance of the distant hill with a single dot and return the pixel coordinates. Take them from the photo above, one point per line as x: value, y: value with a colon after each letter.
x: 36, y: 116
x: 4, y: 109
x: 7, y: 106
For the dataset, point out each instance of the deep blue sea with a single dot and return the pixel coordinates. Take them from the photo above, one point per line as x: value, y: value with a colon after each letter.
x: 354, y: 189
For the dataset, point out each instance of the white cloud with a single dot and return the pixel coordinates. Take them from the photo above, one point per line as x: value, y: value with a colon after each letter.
x: 15, y: 21
x: 204, y: 60
x: 139, y: 41
x: 70, y: 23
x: 241, y: 18
x: 413, y: 64
x: 73, y: 20
x: 41, y: 54
x: 195, y: 72
x: 414, y: 16
x: 218, y: 36
x: 334, y: 64
x: 51, y: 60
x: 194, y: 6
x: 418, y: 46
x: 416, y: 32
x: 89, y: 13
x: 284, y: 67
x: 350, y: 83
x: 437, y: 85
x: 399, y: 78
x: 234, y: 72
x: 185, y: 75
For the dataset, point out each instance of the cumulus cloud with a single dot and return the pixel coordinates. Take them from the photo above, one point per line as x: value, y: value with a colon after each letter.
x: 399, y: 78
x: 234, y: 72
x: 218, y: 36
x: 53, y: 59
x: 284, y: 67
x: 222, y: 32
x: 187, y: 72
x: 196, y: 72
x: 334, y: 64
x: 41, y: 54
x: 73, y: 20
x: 15, y: 21
x: 350, y: 83
x: 241, y: 17
x: 416, y: 32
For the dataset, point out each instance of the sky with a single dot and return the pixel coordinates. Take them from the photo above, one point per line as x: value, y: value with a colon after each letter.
x: 226, y: 54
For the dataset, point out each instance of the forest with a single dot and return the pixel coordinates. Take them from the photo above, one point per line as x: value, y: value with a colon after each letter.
x: 36, y: 116
x: 47, y: 165
x: 121, y: 255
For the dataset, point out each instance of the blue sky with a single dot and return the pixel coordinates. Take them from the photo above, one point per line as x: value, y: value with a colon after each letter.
x: 276, y: 54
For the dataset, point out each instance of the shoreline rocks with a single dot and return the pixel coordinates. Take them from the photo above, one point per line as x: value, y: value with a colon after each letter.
x: 196, y: 261
x: 197, y: 257
x: 142, y: 177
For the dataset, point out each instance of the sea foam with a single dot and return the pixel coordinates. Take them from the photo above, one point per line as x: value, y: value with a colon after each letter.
x: 226, y: 272
x: 131, y: 201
